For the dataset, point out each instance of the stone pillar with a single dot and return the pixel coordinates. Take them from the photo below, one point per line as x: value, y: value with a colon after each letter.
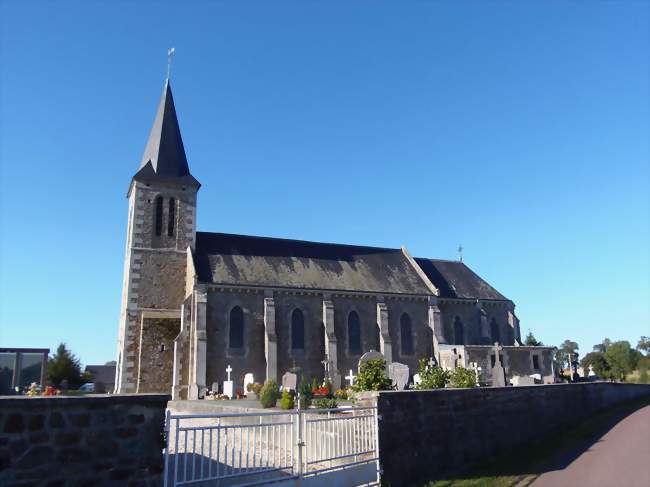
x: 435, y: 323
x: 384, y: 336
x: 486, y: 337
x: 176, y: 374
x: 513, y: 323
x: 197, y: 382
x: 330, y: 336
x: 270, y: 339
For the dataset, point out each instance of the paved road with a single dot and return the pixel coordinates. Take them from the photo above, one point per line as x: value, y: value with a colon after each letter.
x: 621, y: 458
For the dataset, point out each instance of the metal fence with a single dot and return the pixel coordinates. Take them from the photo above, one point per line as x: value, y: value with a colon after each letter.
x: 232, y: 449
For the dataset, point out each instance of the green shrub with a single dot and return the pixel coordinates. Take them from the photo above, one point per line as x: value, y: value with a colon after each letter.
x: 463, y: 378
x: 326, y: 403
x: 372, y: 377
x: 287, y: 400
x: 304, y: 389
x: 434, y: 377
x: 269, y: 393
x: 314, y: 383
x: 254, y: 387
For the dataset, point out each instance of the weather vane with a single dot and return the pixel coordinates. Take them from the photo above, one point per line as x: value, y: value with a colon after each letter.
x: 170, y: 53
x: 460, y: 253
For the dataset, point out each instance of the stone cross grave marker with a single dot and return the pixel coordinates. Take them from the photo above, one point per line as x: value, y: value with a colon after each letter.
x: 498, y: 374
x: 350, y: 378
x: 249, y: 378
x: 399, y: 374
x: 477, y: 372
x: 228, y: 386
x: 289, y: 380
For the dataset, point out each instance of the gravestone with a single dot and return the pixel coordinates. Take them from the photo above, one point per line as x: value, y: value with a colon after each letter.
x: 591, y: 371
x: 350, y: 378
x: 215, y: 388
x: 249, y: 378
x: 417, y: 380
x: 228, y: 385
x: 289, y: 381
x: 371, y: 355
x: 522, y: 380
x: 336, y: 381
x: 399, y: 374
x: 498, y: 373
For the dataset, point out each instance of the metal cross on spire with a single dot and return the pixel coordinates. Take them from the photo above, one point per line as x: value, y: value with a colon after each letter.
x: 460, y: 253
x: 170, y: 54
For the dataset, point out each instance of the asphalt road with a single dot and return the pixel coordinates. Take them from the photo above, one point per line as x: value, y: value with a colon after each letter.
x: 620, y: 458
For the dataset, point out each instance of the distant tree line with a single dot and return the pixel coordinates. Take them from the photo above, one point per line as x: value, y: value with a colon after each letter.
x: 609, y: 360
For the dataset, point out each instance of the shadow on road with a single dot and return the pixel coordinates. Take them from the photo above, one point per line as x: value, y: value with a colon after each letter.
x: 553, y: 453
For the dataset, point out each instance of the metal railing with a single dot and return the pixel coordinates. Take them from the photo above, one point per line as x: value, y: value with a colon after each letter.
x: 256, y: 448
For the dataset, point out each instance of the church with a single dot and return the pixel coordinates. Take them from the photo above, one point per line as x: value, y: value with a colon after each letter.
x: 195, y: 303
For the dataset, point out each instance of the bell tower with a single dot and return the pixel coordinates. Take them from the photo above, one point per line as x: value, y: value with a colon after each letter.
x: 161, y: 227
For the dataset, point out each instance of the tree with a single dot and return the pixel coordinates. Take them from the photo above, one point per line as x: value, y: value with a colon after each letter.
x: 621, y: 359
x: 644, y: 344
x: 372, y: 377
x: 64, y: 365
x: 598, y: 362
x: 531, y: 341
x: 567, y: 353
x: 432, y: 377
x: 602, y: 347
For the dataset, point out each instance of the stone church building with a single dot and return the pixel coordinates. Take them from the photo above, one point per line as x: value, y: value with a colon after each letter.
x: 195, y: 302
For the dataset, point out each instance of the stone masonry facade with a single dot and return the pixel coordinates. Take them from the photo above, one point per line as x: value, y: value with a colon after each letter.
x: 84, y: 441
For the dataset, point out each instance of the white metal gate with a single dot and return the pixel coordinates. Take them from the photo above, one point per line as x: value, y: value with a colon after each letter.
x: 291, y: 447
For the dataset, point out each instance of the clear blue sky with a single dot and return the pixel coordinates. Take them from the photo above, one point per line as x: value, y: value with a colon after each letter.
x: 519, y: 129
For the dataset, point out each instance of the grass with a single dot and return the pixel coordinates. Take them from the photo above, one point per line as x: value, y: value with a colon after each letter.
x: 521, y: 469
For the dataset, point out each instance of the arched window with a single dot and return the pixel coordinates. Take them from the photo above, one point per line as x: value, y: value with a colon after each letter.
x: 236, y: 333
x: 354, y: 333
x: 172, y: 217
x: 459, y: 332
x: 297, y: 330
x: 494, y: 331
x: 158, y: 217
x: 406, y: 334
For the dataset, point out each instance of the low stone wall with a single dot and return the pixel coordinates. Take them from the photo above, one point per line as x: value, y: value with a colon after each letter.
x: 92, y: 440
x: 427, y: 435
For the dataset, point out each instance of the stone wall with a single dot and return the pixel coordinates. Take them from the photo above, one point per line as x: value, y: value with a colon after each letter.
x: 92, y: 440
x: 426, y: 435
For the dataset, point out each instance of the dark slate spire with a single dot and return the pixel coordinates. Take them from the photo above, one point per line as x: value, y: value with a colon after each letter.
x: 164, y: 156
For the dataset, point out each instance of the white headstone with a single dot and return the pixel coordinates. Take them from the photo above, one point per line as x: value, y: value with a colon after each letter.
x: 399, y: 374
x: 350, y: 378
x: 591, y: 371
x: 228, y: 388
x: 417, y: 380
x: 289, y: 381
x: 249, y: 378
x: 228, y: 371
x: 522, y: 380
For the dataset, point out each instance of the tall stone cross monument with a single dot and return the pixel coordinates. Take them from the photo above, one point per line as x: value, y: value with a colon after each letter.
x: 498, y: 373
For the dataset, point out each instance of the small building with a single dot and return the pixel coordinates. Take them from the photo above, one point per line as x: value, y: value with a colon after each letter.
x: 19, y: 367
x: 103, y: 376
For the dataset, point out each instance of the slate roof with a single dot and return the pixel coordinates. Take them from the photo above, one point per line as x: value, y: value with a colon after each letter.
x: 164, y: 155
x: 273, y: 262
x: 455, y: 280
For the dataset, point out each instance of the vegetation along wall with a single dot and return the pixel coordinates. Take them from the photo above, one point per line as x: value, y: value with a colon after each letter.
x: 427, y: 435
